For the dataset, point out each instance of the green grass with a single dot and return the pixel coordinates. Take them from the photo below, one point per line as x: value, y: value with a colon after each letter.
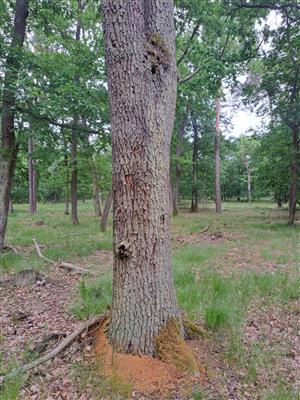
x: 11, y: 389
x: 95, y: 297
x: 210, y: 286
x: 281, y: 392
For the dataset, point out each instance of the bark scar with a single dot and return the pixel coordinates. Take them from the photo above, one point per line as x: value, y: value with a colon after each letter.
x: 157, y: 52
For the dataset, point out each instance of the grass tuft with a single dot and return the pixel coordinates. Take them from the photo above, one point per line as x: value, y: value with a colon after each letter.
x: 95, y: 297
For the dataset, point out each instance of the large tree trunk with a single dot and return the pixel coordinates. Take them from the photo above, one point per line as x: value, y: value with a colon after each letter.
x: 218, y: 203
x: 180, y: 137
x: 106, y: 209
x: 294, y: 176
x: 96, y: 193
x: 32, y: 179
x: 139, y: 41
x: 194, y: 205
x: 9, y: 149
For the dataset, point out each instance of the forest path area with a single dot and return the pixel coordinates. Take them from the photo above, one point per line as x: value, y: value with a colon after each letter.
x: 236, y: 275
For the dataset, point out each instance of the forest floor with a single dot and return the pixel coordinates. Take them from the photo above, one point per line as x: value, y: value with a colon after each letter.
x: 239, y: 280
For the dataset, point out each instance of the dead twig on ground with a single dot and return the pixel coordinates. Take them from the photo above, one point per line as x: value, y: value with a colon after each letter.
x: 58, y: 349
x: 61, y: 264
x: 205, y: 229
x: 12, y: 248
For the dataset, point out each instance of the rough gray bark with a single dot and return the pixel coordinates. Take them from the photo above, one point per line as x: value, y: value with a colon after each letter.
x: 218, y: 203
x: 294, y: 175
x: 106, y: 209
x: 139, y: 42
x: 195, y: 199
x: 32, y: 179
x: 180, y: 136
x: 9, y: 148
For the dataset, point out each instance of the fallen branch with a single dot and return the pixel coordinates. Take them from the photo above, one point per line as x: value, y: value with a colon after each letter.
x: 12, y: 248
x: 205, y: 229
x: 58, y: 349
x: 61, y: 264
x: 42, y: 346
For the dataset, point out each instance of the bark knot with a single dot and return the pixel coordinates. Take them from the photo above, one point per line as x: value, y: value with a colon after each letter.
x: 124, y: 249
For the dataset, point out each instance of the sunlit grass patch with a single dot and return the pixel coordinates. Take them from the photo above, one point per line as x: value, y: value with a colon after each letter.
x: 11, y: 387
x: 95, y: 297
x: 282, y: 392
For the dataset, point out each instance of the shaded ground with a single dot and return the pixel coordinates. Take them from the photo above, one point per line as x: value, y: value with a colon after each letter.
x: 253, y: 357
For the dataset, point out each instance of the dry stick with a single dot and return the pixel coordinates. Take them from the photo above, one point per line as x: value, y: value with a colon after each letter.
x: 65, y: 343
x: 205, y: 229
x: 61, y: 264
x: 10, y: 247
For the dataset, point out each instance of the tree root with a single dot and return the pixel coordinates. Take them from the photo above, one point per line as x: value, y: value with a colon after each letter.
x: 62, y: 264
x: 58, y: 349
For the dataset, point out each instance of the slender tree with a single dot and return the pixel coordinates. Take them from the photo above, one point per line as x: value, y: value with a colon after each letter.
x: 9, y: 147
x: 139, y: 39
x: 195, y: 197
x: 218, y: 201
x: 106, y: 210
x: 96, y: 192
x: 31, y: 179
x: 179, y: 149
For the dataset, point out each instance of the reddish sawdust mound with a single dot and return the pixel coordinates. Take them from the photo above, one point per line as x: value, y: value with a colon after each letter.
x: 146, y: 375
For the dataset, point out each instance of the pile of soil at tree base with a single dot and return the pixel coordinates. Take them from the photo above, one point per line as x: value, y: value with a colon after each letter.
x: 146, y: 375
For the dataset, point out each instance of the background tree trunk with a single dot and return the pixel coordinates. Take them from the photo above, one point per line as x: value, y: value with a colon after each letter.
x: 32, y: 179
x: 9, y: 148
x: 218, y: 202
x: 139, y: 39
x: 74, y: 172
x: 11, y: 206
x: 195, y: 200
x: 294, y: 176
x: 106, y: 209
x: 249, y: 179
x: 96, y: 193
x: 67, y: 180
x: 74, y: 198
x: 180, y: 137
